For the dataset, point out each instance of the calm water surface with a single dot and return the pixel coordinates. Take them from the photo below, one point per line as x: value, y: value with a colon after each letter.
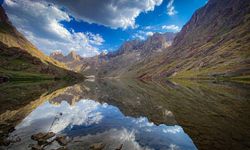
x: 127, y: 115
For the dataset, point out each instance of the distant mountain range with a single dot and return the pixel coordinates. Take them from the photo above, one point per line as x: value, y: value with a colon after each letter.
x: 132, y: 53
x: 117, y: 63
x: 72, y: 56
x: 21, y: 60
x: 215, y: 43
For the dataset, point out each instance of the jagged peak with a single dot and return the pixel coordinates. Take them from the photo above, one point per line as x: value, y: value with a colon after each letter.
x: 72, y: 53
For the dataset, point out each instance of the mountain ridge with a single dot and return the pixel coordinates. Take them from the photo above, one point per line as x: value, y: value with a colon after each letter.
x: 21, y: 60
x: 133, y: 48
x: 213, y: 44
x: 121, y: 62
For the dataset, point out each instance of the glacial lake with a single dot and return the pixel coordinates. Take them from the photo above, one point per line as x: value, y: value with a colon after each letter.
x: 125, y: 115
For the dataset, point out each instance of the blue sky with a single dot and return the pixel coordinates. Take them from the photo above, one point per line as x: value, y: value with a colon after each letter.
x: 91, y: 26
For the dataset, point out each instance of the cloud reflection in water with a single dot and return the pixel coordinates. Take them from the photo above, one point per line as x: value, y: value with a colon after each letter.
x: 89, y: 122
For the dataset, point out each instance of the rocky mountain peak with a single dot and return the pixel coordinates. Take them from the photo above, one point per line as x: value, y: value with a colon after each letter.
x: 129, y: 45
x: 161, y: 37
x: 214, y: 19
x: 157, y: 43
x: 57, y: 55
x: 72, y: 56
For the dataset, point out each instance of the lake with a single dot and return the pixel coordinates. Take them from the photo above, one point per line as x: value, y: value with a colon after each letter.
x: 125, y: 115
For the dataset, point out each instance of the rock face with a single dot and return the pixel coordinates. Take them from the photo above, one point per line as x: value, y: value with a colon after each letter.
x: 73, y: 61
x: 57, y: 55
x: 20, y: 60
x: 152, y: 44
x: 118, y: 62
x: 124, y: 61
x: 72, y: 56
x: 214, y: 43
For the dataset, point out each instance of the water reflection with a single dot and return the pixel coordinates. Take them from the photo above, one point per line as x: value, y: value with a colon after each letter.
x: 89, y: 122
x: 135, y: 115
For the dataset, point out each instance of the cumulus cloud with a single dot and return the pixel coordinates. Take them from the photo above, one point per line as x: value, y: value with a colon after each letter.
x: 40, y: 22
x: 85, y: 113
x: 171, y: 27
x: 142, y: 35
x: 110, y: 13
x: 149, y: 33
x: 113, y: 138
x: 173, y: 147
x: 170, y: 8
x: 173, y: 129
x: 97, y: 122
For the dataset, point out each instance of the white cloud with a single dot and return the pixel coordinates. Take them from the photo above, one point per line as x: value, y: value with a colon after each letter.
x: 84, y: 113
x: 170, y: 8
x: 149, y: 33
x: 148, y: 27
x: 95, y: 39
x: 110, y: 13
x: 113, y: 138
x: 105, y: 52
x: 171, y: 27
x: 173, y: 129
x: 138, y: 36
x: 101, y: 122
x: 40, y: 23
x: 142, y: 35
x: 173, y: 147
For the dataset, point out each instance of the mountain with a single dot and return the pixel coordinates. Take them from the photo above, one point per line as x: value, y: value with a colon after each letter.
x: 131, y: 54
x: 57, y: 55
x: 215, y: 43
x: 21, y: 60
x: 73, y: 61
x: 72, y: 56
x: 116, y: 63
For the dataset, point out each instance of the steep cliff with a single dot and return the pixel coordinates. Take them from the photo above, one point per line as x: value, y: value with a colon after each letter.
x: 215, y: 43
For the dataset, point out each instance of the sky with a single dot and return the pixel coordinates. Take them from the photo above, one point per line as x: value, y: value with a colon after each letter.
x: 93, y: 26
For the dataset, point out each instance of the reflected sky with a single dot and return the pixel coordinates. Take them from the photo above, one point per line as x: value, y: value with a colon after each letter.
x: 89, y: 122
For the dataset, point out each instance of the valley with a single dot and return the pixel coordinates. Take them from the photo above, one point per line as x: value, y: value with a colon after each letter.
x: 214, y: 44
x: 125, y: 75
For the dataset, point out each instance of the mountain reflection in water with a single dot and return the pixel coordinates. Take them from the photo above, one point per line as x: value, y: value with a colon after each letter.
x: 89, y: 121
x: 134, y: 115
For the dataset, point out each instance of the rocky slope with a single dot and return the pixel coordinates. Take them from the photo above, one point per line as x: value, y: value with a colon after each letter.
x: 20, y: 60
x: 73, y: 61
x: 214, y: 43
x: 131, y: 54
x: 72, y: 56
x: 116, y: 63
